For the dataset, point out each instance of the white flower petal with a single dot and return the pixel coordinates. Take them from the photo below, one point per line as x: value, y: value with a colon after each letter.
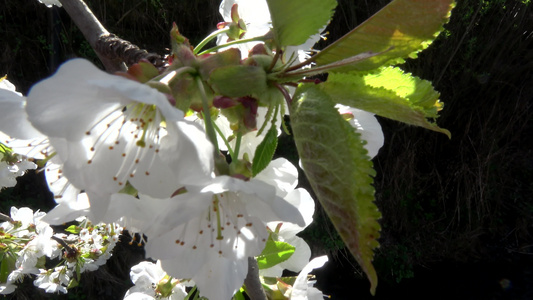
x: 300, y: 257
x: 116, y: 131
x: 368, y: 126
x: 280, y: 173
x: 147, y: 272
x: 68, y: 210
x: 301, y: 288
x: 13, y: 118
x: 7, y: 175
x: 79, y: 94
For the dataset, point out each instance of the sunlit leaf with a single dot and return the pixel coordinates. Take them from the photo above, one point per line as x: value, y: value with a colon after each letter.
x: 239, y: 295
x: 340, y: 172
x: 73, y: 229
x: 408, y: 26
x: 390, y: 93
x: 275, y: 252
x: 295, y: 21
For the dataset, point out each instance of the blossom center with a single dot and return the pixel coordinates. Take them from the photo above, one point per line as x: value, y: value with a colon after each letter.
x: 225, y: 229
x: 130, y: 134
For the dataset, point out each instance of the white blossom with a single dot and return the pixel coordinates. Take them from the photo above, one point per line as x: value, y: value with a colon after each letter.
x: 12, y: 115
x: 9, y: 172
x: 25, y: 217
x: 302, y: 288
x: 41, y: 245
x: 210, y: 231
x: 53, y: 280
x: 150, y: 281
x: 108, y: 130
x: 256, y: 16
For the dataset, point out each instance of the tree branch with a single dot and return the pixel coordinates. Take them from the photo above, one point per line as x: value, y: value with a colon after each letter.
x: 92, y: 29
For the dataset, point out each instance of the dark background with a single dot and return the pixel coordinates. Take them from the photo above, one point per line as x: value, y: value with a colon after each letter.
x: 457, y: 214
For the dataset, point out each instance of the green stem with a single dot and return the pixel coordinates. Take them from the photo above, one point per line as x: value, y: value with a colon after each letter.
x: 193, y: 290
x: 237, y: 146
x: 211, y: 134
x: 232, y: 43
x: 213, y: 35
x: 167, y: 77
x: 43, y: 162
x: 224, y: 139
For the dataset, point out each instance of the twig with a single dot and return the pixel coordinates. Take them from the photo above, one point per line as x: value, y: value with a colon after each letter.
x: 112, y: 50
x: 5, y: 218
x: 92, y: 29
x: 254, y: 289
x: 113, y: 47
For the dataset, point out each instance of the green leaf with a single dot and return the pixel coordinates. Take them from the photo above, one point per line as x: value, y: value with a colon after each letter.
x: 274, y: 253
x: 408, y: 26
x: 7, y: 266
x: 239, y: 295
x: 265, y: 151
x: 340, y: 172
x: 73, y: 283
x: 295, y: 21
x: 390, y: 93
x: 238, y: 81
x: 73, y: 229
x: 209, y: 63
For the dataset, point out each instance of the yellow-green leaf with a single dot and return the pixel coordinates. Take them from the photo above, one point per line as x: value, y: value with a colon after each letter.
x: 390, y: 93
x: 401, y: 29
x: 275, y: 252
x: 340, y: 172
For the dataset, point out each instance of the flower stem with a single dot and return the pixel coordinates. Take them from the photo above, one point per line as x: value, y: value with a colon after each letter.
x: 213, y: 35
x: 231, y: 153
x: 211, y: 134
x: 232, y: 43
x: 193, y: 291
x: 237, y: 146
x: 285, y: 94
